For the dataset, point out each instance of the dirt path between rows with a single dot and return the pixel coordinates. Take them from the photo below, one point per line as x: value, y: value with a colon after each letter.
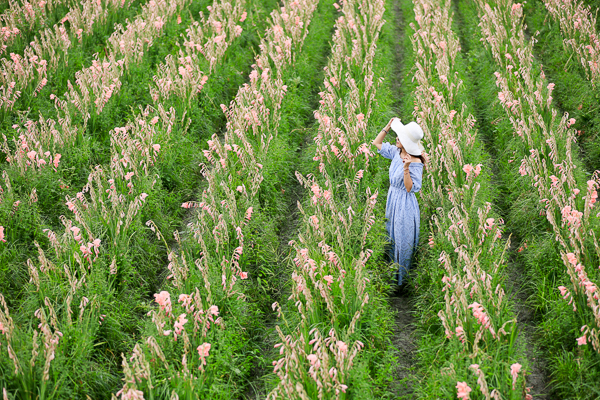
x: 401, y: 304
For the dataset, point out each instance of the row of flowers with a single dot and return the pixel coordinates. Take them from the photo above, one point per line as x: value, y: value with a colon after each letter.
x: 465, y: 234
x: 321, y: 324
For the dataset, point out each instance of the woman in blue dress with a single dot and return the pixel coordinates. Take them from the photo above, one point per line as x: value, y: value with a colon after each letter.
x: 406, y: 172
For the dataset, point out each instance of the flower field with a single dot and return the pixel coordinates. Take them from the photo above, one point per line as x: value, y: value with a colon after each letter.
x: 191, y: 206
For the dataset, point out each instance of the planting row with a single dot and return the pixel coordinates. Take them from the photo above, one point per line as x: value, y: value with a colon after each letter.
x: 328, y: 326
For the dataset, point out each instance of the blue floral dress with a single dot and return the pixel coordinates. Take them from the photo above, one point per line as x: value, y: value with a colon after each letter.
x: 402, y: 209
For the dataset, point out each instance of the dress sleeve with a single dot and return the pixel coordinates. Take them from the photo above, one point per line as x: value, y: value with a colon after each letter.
x: 416, y: 175
x: 388, y: 151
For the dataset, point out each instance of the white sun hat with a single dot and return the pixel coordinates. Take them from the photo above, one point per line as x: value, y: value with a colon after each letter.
x: 410, y: 136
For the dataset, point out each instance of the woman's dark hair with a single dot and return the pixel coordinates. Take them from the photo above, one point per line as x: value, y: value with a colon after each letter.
x: 421, y: 157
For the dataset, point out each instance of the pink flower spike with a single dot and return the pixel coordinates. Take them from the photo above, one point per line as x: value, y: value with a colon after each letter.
x: 56, y: 160
x: 463, y: 390
x: 468, y: 168
x: 214, y: 310
x: 514, y: 371
x: 203, y: 350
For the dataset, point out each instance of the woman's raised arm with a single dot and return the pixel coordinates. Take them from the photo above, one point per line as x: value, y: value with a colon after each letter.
x: 379, y: 139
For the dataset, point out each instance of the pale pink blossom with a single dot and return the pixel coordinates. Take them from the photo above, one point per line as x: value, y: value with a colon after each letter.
x: 468, y: 168
x: 463, y: 390
x: 203, y: 350
x: 214, y: 310
x: 514, y: 371
x: 181, y: 320
x: 2, y: 234
x: 582, y: 341
x: 164, y: 300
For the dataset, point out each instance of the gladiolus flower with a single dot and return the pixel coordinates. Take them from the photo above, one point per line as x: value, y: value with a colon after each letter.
x: 214, y: 310
x: 468, y: 168
x: 164, y: 300
x: 582, y: 341
x: 181, y: 320
x: 244, y: 275
x: 463, y: 390
x: 2, y: 234
x: 514, y: 371
x: 203, y: 350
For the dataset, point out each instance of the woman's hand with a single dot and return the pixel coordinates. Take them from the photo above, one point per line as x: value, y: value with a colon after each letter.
x: 389, y: 125
x: 407, y: 179
x: 379, y: 139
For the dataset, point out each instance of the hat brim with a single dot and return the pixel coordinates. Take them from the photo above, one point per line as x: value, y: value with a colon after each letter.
x: 412, y: 148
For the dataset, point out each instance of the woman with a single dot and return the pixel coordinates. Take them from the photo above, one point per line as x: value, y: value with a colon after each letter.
x: 402, y: 209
